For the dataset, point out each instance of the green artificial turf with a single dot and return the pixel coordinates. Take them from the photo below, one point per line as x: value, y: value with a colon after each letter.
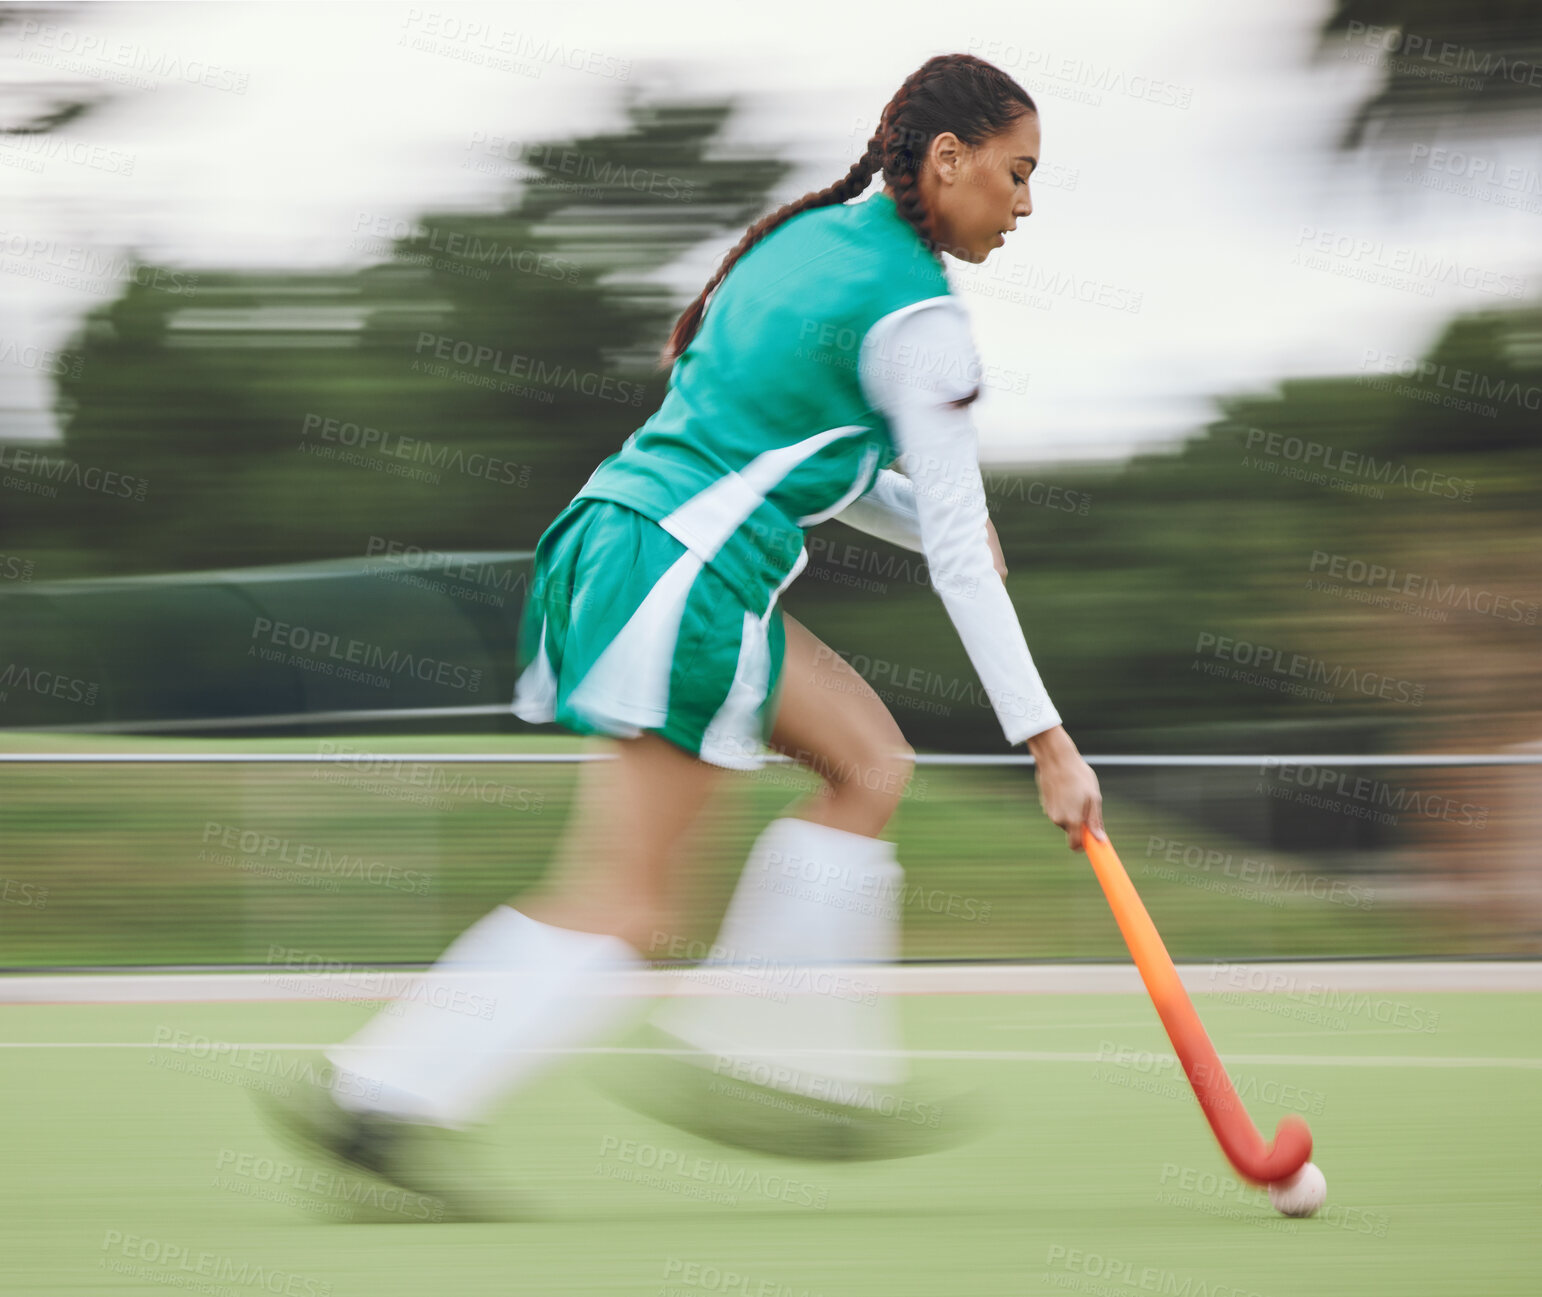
x: 124, y: 1169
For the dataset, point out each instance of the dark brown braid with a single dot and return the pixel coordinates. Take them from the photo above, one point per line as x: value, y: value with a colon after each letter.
x: 951, y: 92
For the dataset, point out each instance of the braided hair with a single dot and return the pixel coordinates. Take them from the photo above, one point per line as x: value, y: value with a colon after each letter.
x: 951, y: 92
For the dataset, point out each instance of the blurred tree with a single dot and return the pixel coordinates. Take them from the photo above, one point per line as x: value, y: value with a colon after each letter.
x: 453, y: 396
x: 1443, y: 59
x: 39, y: 104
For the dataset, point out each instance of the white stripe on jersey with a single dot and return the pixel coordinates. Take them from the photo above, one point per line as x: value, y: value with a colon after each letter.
x: 705, y: 522
x: 629, y: 681
x: 733, y: 736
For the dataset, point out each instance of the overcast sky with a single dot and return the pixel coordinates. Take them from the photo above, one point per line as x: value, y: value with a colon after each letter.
x: 1186, y: 174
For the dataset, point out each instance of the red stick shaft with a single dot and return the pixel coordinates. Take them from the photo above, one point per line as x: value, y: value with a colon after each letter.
x: 1239, y: 1139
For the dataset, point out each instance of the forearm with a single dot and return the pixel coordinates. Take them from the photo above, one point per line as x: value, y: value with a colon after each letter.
x: 966, y: 569
x: 986, y: 621
x: 938, y: 447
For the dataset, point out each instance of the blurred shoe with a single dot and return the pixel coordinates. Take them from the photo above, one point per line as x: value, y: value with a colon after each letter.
x: 700, y: 1094
x: 428, y: 1165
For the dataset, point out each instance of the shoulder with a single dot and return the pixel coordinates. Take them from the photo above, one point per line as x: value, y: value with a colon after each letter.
x: 922, y: 352
x: 862, y: 242
x: 846, y: 264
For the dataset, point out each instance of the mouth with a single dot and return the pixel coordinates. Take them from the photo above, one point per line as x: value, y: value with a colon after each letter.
x: 1001, y: 238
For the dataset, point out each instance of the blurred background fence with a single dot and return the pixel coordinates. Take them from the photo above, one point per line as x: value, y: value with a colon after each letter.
x: 397, y: 637
x: 354, y: 854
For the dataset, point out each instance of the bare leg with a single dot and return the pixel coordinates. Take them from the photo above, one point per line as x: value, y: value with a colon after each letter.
x: 820, y: 887
x: 612, y: 872
x: 534, y: 972
x: 830, y: 720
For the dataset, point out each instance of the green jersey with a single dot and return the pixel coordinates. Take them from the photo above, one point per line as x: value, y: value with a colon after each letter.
x: 765, y: 428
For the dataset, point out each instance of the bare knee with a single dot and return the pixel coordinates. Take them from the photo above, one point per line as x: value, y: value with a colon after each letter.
x: 873, y: 777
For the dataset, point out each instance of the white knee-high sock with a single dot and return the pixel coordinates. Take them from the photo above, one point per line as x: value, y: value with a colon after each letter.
x: 812, y: 907
x: 507, y: 987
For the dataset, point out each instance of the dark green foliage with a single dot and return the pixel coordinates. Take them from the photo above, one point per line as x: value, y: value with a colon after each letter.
x: 493, y: 358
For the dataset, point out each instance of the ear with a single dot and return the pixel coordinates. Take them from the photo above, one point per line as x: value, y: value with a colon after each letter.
x: 947, y: 156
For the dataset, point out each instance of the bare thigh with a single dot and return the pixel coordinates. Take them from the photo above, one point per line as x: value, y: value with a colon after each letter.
x: 830, y: 720
x: 612, y: 872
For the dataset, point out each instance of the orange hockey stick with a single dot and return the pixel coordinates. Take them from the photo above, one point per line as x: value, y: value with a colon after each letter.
x: 1239, y: 1139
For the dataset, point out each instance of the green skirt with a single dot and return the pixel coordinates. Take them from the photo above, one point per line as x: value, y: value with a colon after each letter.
x: 626, y: 631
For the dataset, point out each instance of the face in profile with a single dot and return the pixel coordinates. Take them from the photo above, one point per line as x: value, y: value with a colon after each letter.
x: 976, y: 194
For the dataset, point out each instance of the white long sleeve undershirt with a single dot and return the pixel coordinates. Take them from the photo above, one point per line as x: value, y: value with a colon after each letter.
x: 914, y: 364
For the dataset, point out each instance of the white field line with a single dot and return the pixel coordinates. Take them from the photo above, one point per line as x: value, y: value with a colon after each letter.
x: 227, y: 1051
x: 1312, y: 983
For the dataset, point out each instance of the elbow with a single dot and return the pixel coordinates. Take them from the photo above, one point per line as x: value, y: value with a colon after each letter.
x: 955, y: 582
x: 963, y: 570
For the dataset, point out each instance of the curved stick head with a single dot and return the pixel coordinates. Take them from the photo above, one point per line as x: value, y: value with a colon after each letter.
x: 1291, y: 1150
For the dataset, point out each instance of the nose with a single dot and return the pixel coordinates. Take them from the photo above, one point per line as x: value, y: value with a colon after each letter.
x: 1023, y: 206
